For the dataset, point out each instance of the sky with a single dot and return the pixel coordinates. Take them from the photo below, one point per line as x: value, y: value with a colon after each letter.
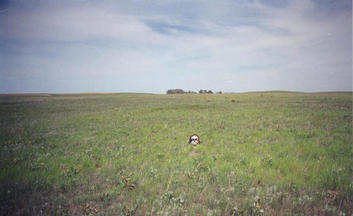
x: 150, y: 46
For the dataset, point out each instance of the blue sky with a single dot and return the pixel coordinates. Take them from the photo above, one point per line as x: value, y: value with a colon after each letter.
x: 155, y: 45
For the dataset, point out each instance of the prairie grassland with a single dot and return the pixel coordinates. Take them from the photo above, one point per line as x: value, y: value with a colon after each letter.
x: 265, y: 153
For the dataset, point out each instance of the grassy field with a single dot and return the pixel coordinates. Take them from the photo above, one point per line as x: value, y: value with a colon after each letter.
x: 262, y: 153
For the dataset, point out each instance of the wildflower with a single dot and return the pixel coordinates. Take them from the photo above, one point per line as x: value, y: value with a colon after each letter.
x: 257, y: 205
x: 257, y: 202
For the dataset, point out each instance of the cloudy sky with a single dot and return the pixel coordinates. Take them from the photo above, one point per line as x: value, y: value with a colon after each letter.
x: 155, y: 45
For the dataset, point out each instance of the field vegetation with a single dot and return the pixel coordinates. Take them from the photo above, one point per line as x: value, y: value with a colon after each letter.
x: 264, y: 153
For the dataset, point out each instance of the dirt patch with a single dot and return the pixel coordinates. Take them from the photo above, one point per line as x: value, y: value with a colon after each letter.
x: 194, y: 153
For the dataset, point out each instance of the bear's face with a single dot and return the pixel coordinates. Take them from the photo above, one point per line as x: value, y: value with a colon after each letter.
x: 194, y: 139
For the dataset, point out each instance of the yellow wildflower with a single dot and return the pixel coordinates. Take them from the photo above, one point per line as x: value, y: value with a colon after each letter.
x: 257, y: 205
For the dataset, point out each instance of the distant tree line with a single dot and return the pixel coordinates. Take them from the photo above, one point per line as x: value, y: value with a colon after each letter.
x: 181, y: 91
x: 205, y: 92
x: 176, y: 91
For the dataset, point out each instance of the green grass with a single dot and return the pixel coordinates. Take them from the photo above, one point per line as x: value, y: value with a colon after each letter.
x: 128, y: 154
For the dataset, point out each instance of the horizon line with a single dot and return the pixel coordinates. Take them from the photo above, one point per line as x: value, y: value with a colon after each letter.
x: 45, y: 94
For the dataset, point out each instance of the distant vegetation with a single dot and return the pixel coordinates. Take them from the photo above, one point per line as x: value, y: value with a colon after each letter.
x: 176, y: 91
x: 205, y: 92
x: 181, y: 91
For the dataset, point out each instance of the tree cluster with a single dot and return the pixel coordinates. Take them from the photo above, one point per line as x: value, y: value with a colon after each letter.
x: 176, y: 91
x: 181, y: 91
x: 205, y: 92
